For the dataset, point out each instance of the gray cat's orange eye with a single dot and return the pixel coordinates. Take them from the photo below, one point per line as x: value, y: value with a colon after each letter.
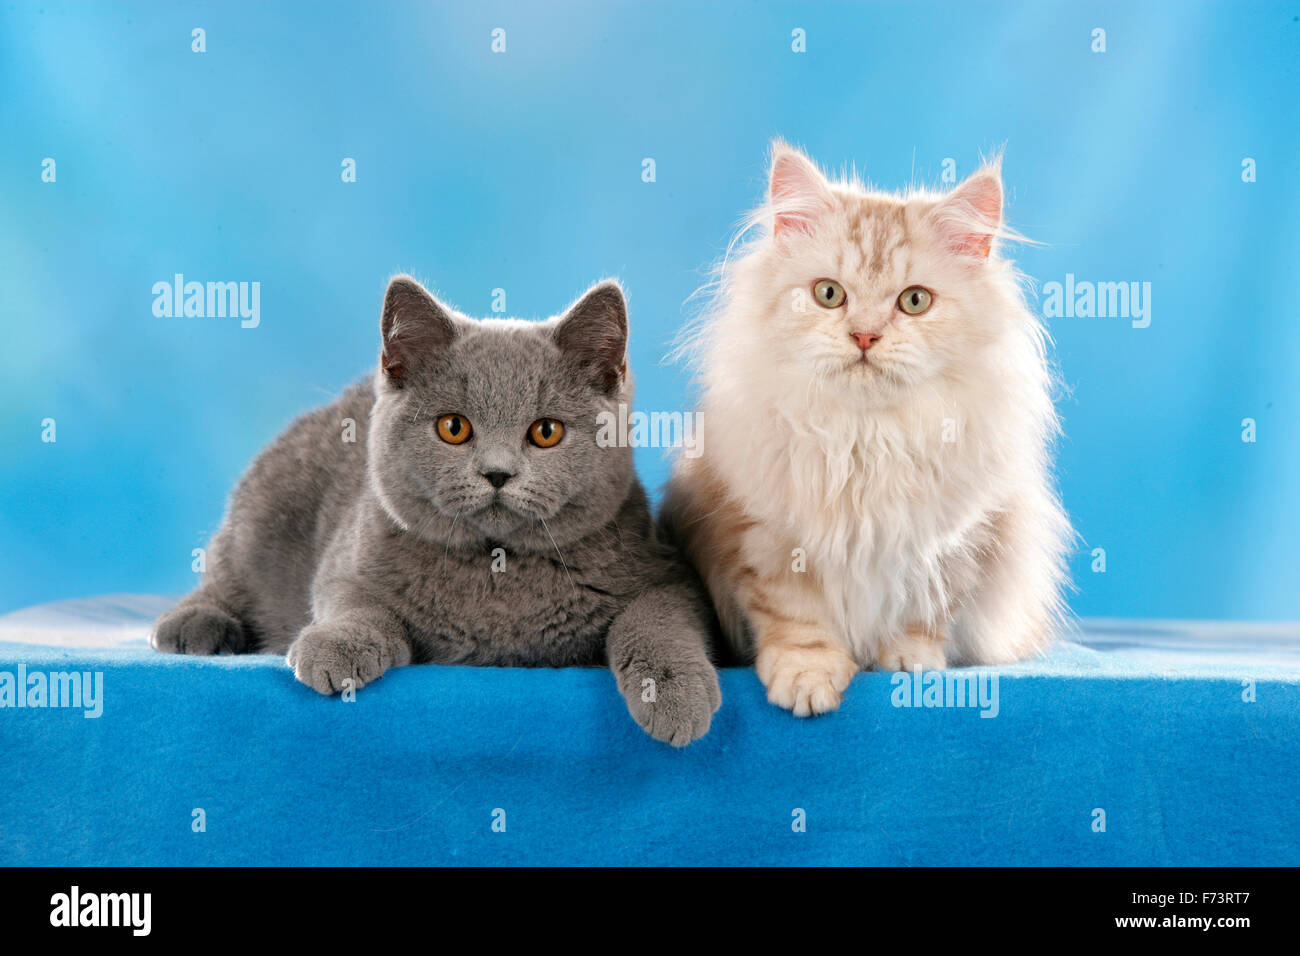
x: 454, y: 429
x: 546, y: 432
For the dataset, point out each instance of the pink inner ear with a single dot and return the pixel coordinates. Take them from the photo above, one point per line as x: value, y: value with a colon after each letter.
x: 973, y: 244
x: 971, y: 215
x: 796, y: 194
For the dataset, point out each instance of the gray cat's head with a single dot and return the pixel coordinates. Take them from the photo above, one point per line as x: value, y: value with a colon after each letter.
x: 485, y: 431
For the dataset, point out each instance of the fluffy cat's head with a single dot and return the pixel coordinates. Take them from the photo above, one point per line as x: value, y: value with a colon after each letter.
x: 485, y: 431
x: 869, y: 294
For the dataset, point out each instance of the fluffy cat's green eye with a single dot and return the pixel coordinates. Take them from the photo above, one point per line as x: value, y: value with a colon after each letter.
x: 546, y: 432
x: 454, y: 429
x: 829, y: 293
x: 915, y: 300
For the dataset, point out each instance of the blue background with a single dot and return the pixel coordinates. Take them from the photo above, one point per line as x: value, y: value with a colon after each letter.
x: 522, y: 171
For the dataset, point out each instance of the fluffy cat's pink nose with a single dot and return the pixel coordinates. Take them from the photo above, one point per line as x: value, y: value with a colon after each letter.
x: 865, y: 339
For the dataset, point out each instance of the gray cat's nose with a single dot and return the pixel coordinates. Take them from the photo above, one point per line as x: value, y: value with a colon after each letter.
x: 498, y: 478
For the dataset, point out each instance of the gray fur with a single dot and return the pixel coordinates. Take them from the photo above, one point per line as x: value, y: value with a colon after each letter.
x: 356, y: 558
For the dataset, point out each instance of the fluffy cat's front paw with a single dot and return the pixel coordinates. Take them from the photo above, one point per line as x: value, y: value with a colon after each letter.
x: 913, y: 651
x: 330, y: 657
x: 805, y: 680
x: 673, y: 702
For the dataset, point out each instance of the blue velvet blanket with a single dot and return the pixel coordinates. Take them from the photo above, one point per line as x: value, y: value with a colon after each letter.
x: 1138, y: 743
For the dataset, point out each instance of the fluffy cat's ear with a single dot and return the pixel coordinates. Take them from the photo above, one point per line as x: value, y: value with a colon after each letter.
x: 414, y: 327
x: 797, y: 192
x: 970, y: 216
x: 594, y: 334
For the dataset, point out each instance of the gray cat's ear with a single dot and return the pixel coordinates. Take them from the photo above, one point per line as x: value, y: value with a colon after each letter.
x: 594, y: 334
x: 415, y: 326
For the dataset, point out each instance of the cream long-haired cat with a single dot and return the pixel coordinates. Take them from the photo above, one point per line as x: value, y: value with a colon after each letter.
x: 875, y: 488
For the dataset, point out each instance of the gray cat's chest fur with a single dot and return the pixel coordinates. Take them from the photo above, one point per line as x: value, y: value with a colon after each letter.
x: 515, y: 616
x: 494, y: 606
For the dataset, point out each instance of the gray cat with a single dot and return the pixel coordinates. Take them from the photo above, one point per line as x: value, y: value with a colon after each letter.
x: 473, y: 520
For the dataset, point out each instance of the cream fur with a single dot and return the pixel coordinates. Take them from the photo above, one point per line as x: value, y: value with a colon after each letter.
x: 918, y: 483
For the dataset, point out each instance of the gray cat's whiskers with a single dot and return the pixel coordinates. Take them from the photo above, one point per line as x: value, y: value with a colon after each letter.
x: 563, y: 563
x: 446, y: 552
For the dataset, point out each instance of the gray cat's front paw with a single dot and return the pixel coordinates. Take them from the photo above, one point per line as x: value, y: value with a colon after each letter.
x: 674, y: 701
x: 197, y: 629
x: 331, y: 657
